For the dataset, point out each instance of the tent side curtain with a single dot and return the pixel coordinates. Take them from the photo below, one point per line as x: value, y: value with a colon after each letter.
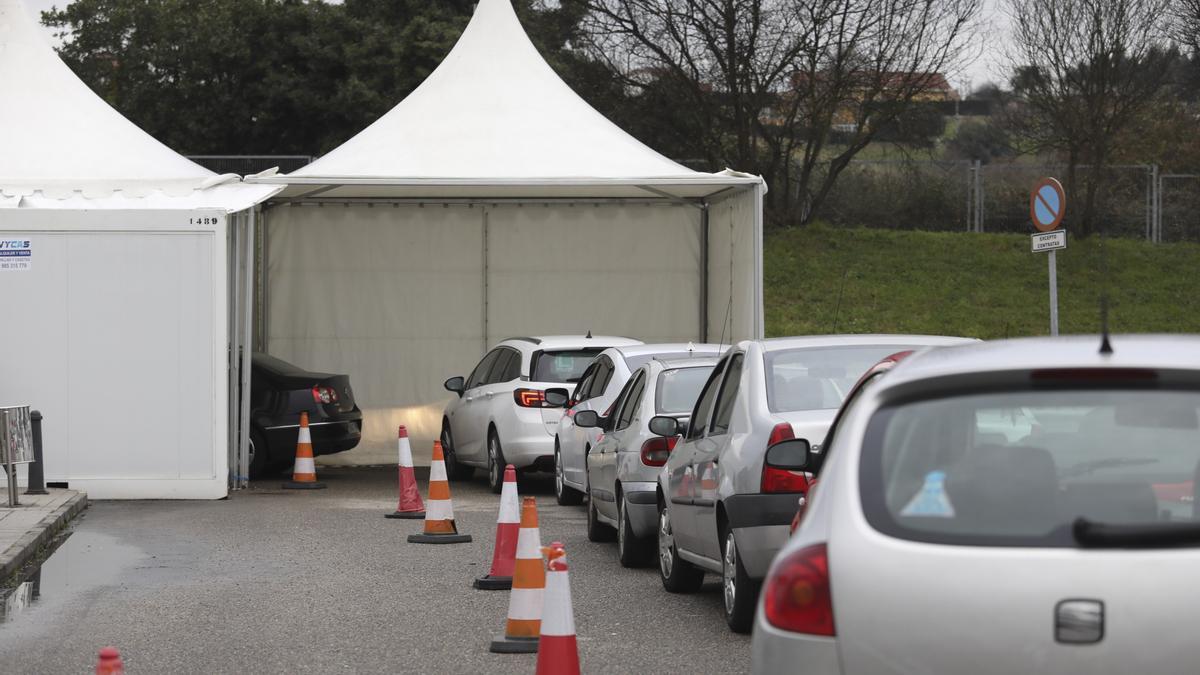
x: 402, y: 297
x: 734, y: 268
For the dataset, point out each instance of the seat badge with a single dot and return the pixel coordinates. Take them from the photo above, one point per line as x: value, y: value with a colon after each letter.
x: 1079, y: 622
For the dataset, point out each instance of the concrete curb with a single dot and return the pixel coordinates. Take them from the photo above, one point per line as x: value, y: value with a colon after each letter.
x: 31, y: 542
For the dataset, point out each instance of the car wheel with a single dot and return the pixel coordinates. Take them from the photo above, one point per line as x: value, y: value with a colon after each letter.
x: 678, y: 576
x: 741, y: 592
x: 596, y: 530
x: 631, y: 550
x: 564, y: 494
x: 495, y: 466
x: 454, y: 470
x: 260, y: 458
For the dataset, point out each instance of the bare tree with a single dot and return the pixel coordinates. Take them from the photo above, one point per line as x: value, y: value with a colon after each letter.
x: 769, y: 79
x: 1085, y: 71
x: 1187, y: 13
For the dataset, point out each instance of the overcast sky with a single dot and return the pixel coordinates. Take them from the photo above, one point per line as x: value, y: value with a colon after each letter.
x: 986, y: 68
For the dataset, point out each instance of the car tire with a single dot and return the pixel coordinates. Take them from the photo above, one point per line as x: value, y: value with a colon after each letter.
x: 596, y: 530
x: 678, y: 575
x: 260, y: 455
x: 454, y: 470
x: 564, y: 494
x: 739, y: 590
x: 495, y: 463
x: 632, y: 551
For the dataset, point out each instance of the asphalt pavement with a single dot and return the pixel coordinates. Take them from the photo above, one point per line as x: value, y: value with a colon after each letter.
x: 277, y: 581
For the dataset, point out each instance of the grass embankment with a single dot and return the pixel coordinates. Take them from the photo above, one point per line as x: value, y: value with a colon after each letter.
x: 978, y: 285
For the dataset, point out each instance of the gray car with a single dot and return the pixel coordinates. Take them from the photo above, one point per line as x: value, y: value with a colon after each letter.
x: 1025, y: 506
x: 721, y: 509
x: 623, y: 466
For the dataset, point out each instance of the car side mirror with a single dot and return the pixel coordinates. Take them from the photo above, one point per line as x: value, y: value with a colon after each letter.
x: 557, y: 397
x: 587, y: 419
x: 793, y: 455
x: 666, y: 426
x: 456, y: 384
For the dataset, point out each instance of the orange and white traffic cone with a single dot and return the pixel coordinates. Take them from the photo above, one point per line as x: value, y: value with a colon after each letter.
x: 410, y: 506
x: 109, y: 662
x: 508, y: 529
x: 304, y: 473
x: 439, y: 512
x: 529, y: 582
x: 558, y: 654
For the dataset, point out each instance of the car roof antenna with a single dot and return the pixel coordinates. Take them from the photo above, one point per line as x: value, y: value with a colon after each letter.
x: 589, y: 335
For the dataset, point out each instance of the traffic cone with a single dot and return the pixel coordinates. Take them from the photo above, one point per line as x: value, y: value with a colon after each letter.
x: 304, y: 473
x: 410, y: 506
x: 508, y: 528
x: 110, y: 662
x: 558, y: 653
x: 439, y: 513
x: 529, y: 581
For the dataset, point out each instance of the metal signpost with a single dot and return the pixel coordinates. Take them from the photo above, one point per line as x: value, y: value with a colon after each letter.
x: 1047, y: 204
x: 16, y: 444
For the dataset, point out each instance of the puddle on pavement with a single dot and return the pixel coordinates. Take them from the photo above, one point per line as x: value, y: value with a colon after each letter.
x: 82, y: 561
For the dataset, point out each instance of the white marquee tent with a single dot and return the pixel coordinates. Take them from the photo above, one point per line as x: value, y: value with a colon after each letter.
x: 124, y: 267
x: 493, y: 202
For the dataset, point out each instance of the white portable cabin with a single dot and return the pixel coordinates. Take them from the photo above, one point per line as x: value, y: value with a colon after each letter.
x: 494, y: 202
x: 123, y: 266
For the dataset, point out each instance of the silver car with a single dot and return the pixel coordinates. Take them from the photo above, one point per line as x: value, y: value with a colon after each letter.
x: 596, y: 390
x: 1025, y: 506
x: 499, y: 415
x: 623, y: 466
x: 721, y: 509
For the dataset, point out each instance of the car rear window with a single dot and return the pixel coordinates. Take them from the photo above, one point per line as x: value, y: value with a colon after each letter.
x: 818, y: 378
x: 1025, y: 468
x: 561, y: 366
x: 679, y: 388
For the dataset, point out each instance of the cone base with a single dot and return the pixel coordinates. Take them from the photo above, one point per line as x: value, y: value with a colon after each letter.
x: 507, y: 645
x: 293, y: 485
x: 438, y: 538
x: 408, y: 515
x: 491, y: 583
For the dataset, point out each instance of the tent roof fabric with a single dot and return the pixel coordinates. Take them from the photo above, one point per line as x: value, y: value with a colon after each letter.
x: 495, y: 115
x: 62, y: 142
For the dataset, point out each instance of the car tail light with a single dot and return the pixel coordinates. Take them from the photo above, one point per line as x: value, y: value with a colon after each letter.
x: 324, y: 395
x: 796, y: 594
x: 529, y: 398
x: 655, y: 451
x: 776, y: 480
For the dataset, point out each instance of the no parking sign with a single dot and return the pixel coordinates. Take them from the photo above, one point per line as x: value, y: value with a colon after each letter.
x: 1047, y: 205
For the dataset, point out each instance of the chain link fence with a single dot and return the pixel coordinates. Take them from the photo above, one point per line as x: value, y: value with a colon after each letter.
x: 1132, y: 201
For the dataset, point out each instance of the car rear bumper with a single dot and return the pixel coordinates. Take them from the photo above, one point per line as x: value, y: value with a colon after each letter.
x: 328, y: 437
x: 761, y: 524
x: 778, y: 651
x: 641, y: 503
x: 532, y: 451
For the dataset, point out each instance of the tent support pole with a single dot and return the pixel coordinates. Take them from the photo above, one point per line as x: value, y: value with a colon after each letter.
x: 233, y: 275
x: 249, y: 222
x: 484, y: 210
x: 704, y: 212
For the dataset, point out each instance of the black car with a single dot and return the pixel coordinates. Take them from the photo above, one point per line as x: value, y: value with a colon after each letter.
x: 279, y: 392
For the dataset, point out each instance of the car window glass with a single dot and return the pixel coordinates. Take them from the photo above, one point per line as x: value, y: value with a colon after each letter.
x: 604, y: 373
x: 633, y: 399
x: 855, y: 397
x: 729, y: 390
x: 563, y: 366
x: 705, y: 403
x: 818, y: 378
x: 585, y: 383
x: 503, y: 366
x: 479, y: 375
x: 678, y: 389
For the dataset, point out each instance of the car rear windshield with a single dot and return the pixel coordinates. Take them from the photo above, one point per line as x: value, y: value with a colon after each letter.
x: 818, y: 378
x: 561, y: 366
x: 678, y: 389
x: 1028, y: 468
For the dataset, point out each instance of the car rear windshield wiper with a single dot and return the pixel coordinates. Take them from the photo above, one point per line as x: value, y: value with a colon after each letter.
x: 1149, y: 535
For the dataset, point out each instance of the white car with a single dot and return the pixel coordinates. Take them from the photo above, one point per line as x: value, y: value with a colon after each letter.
x: 1024, y: 506
x: 722, y: 510
x: 499, y: 416
x: 596, y: 391
x: 622, y: 469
